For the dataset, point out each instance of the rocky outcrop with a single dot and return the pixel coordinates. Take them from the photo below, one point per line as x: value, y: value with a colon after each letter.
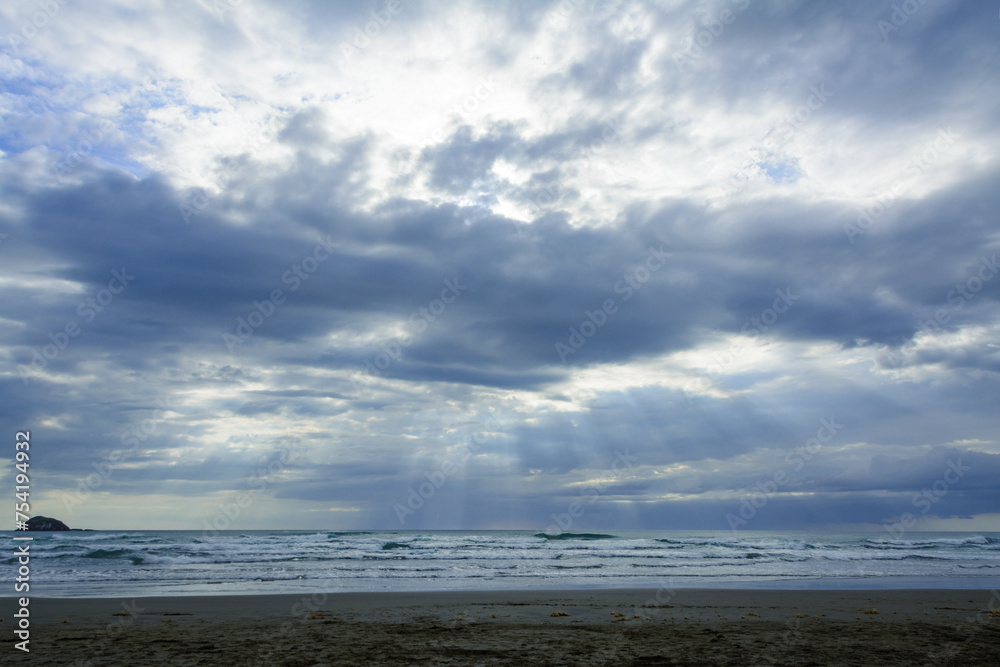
x: 45, y: 523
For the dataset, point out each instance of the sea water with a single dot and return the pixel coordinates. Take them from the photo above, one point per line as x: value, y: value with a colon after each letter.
x: 148, y: 563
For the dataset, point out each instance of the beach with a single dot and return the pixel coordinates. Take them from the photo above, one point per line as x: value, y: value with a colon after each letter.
x: 538, y: 627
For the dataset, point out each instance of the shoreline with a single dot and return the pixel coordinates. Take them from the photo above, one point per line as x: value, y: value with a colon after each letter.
x: 295, y: 587
x: 590, y: 626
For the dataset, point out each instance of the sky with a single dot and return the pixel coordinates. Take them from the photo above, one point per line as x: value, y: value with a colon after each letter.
x: 578, y: 265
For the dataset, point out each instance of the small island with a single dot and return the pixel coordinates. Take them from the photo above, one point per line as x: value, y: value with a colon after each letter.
x: 45, y: 523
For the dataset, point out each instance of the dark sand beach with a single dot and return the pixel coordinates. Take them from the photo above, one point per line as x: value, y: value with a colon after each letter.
x: 579, y: 627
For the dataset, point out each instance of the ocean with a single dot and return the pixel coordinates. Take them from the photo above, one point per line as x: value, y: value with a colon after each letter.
x: 155, y: 563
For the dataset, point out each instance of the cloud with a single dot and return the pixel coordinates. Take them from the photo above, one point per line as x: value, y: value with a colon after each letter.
x: 370, y: 256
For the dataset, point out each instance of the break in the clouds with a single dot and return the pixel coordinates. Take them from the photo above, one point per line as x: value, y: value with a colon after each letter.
x: 608, y: 264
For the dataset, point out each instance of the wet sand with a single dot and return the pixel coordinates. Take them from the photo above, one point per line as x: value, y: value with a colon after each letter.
x: 579, y: 627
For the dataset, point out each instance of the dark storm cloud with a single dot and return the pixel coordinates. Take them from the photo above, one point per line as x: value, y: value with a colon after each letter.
x: 191, y: 275
x: 192, y: 283
x: 463, y: 160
